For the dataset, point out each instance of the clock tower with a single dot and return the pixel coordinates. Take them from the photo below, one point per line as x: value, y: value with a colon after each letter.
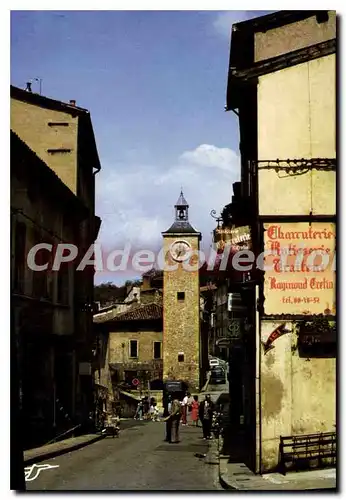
x: 181, y: 300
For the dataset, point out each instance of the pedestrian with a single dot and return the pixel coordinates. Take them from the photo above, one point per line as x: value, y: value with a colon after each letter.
x: 155, y: 416
x: 206, y: 409
x: 168, y: 420
x: 146, y: 408
x: 139, y: 411
x: 194, y: 411
x: 189, y: 408
x: 184, y: 405
x: 175, y: 416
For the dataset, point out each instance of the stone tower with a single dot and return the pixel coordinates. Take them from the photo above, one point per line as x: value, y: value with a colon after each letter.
x: 181, y: 300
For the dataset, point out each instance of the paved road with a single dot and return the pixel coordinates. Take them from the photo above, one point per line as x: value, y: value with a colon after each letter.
x: 217, y: 388
x: 138, y: 460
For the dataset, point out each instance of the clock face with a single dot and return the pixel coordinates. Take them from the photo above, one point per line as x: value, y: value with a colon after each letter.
x: 180, y: 250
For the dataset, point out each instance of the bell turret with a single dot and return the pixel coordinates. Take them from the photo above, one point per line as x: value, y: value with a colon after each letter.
x: 181, y: 209
x: 181, y: 223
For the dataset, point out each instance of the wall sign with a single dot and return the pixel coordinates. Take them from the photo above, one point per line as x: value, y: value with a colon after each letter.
x: 292, y: 285
x: 238, y: 237
x: 275, y: 334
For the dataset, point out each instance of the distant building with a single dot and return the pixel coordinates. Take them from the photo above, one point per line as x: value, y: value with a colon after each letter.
x: 128, y: 348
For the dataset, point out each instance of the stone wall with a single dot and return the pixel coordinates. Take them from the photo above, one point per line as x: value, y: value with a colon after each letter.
x: 181, y: 320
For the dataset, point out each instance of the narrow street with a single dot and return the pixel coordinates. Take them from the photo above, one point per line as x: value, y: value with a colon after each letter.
x: 138, y: 460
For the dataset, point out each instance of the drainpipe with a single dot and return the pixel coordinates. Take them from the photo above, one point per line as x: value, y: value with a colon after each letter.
x: 258, y: 386
x: 17, y: 477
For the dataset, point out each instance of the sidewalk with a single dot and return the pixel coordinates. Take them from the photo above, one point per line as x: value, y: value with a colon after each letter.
x: 59, y: 448
x: 237, y: 476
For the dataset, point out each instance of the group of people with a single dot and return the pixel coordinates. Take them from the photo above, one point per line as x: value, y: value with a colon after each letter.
x: 179, y: 410
x: 147, y: 410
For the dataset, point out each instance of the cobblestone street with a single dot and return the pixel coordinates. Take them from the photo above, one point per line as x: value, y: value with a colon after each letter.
x: 138, y: 460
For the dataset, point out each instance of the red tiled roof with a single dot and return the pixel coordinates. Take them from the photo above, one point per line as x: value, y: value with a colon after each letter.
x: 141, y: 313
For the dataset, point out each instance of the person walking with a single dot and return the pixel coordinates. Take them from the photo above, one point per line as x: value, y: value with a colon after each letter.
x: 168, y: 420
x: 146, y: 408
x: 194, y: 411
x: 139, y: 411
x: 156, y: 416
x: 184, y: 405
x: 206, y: 410
x: 175, y: 417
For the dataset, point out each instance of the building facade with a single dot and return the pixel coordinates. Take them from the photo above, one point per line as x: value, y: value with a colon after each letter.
x: 43, y: 209
x: 128, y: 352
x: 282, y: 83
x: 62, y: 138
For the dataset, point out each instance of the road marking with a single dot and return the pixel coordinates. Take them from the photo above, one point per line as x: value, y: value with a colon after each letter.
x: 32, y: 472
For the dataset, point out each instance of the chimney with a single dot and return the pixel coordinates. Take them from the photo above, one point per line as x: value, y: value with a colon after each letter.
x: 146, y: 282
x: 72, y: 102
x: 28, y: 87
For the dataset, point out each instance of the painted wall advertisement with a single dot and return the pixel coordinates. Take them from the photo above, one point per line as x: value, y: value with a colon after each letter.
x: 300, y: 263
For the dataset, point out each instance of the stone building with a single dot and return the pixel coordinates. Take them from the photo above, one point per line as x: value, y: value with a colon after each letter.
x: 281, y: 85
x: 61, y: 136
x: 43, y: 209
x: 138, y: 319
x: 128, y: 348
x: 181, y: 300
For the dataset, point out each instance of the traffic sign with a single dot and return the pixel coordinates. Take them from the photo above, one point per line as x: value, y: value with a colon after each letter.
x: 135, y: 381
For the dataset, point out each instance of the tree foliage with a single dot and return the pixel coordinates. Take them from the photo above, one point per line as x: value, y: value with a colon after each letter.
x: 109, y: 293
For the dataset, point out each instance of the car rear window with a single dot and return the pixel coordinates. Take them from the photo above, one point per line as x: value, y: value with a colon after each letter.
x: 218, y: 371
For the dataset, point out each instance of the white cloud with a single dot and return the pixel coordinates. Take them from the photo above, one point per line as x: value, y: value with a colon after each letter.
x: 207, y: 155
x: 136, y: 202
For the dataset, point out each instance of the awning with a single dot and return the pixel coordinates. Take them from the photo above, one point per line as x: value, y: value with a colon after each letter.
x: 129, y: 395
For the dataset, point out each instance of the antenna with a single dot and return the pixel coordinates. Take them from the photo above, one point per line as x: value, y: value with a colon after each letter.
x: 39, y: 80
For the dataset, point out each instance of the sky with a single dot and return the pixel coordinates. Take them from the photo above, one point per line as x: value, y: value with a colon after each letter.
x: 155, y: 85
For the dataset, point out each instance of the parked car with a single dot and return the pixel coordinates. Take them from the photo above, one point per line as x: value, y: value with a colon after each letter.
x: 214, y: 362
x: 217, y: 375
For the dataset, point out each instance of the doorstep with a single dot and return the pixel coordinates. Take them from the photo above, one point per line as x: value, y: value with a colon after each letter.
x: 237, y: 476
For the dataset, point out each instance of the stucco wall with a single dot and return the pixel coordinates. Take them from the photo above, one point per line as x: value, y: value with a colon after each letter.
x: 294, y: 36
x: 30, y: 123
x: 296, y: 119
x: 181, y: 319
x: 298, y: 394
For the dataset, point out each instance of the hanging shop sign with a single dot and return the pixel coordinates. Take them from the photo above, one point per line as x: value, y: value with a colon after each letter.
x: 235, y: 304
x: 299, y: 266
x: 238, y: 237
x: 234, y: 329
